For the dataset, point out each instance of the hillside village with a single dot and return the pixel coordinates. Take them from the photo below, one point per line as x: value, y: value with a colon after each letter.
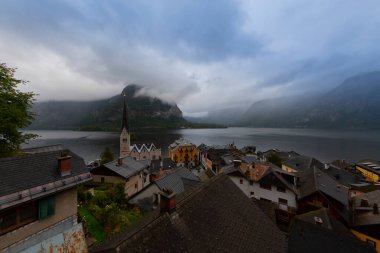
x: 197, y: 199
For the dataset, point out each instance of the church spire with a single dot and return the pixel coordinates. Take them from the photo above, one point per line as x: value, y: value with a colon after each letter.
x: 125, y: 141
x: 124, y: 123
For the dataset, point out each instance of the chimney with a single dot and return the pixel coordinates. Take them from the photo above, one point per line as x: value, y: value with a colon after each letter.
x: 375, y: 209
x: 64, y: 164
x: 168, y: 203
x: 119, y: 161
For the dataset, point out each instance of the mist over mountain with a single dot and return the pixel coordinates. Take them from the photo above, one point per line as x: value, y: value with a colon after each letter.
x: 106, y: 114
x: 353, y: 104
x: 226, y: 116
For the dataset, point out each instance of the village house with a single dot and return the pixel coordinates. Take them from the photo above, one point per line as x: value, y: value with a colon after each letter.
x: 133, y: 173
x: 265, y: 182
x: 177, y: 181
x: 370, y: 169
x: 217, y: 157
x: 38, y: 201
x: 161, y: 167
x: 317, y: 190
x: 214, y: 217
x: 184, y: 153
x: 300, y: 163
x: 318, y: 231
x: 365, y: 223
x: 283, y: 155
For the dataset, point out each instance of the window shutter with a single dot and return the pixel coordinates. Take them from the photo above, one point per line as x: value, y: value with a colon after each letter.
x: 46, y: 207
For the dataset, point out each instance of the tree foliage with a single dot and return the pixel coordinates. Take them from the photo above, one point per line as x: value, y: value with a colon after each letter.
x: 14, y: 111
x: 275, y: 159
x: 106, y: 156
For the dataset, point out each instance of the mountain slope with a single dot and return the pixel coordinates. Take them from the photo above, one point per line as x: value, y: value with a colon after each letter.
x: 353, y: 104
x: 143, y: 111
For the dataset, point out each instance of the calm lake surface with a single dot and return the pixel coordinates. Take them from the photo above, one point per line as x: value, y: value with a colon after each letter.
x: 326, y: 145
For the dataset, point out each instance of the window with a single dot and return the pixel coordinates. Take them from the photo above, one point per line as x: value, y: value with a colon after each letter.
x: 281, y: 189
x: 241, y: 181
x: 16, y: 217
x: 135, y: 186
x: 266, y: 186
x: 102, y: 180
x: 265, y: 200
x: 250, y: 182
x: 46, y: 207
x: 282, y: 201
x: 252, y: 194
x: 28, y: 212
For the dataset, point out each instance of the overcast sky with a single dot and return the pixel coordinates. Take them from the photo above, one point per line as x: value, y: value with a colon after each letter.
x: 203, y: 55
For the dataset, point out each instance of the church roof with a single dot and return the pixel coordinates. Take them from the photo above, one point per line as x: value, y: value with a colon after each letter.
x: 125, y: 123
x: 139, y: 147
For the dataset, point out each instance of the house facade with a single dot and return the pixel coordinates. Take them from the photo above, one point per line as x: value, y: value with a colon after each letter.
x: 38, y: 201
x: 133, y: 173
x: 184, y: 153
x: 263, y: 183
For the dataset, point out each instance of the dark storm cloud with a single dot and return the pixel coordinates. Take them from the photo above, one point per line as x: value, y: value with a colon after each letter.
x: 201, y: 54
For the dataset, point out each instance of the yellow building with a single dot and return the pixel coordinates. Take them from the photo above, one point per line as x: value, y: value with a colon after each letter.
x: 370, y: 169
x: 366, y: 218
x: 184, y: 153
x: 375, y: 242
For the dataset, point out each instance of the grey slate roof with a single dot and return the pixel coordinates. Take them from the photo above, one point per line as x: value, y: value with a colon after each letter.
x: 30, y: 170
x: 128, y: 168
x: 249, y: 159
x: 167, y: 164
x: 302, y: 162
x: 342, y: 176
x: 178, y: 181
x: 306, y: 237
x: 313, y: 180
x: 216, y: 217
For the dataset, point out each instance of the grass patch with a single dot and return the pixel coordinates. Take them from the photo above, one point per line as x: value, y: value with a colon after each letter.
x: 93, y: 226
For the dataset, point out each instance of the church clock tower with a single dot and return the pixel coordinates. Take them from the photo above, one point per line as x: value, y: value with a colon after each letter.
x: 125, y: 133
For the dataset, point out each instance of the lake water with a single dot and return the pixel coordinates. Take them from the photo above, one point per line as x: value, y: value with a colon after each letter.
x: 326, y: 145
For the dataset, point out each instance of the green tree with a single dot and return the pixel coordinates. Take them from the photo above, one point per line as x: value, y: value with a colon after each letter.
x: 275, y: 159
x: 106, y: 156
x: 14, y: 112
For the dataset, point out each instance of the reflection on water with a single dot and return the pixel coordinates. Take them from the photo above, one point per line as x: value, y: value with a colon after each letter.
x: 326, y: 145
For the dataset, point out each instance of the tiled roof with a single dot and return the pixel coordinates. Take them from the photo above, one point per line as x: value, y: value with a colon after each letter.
x: 301, y: 163
x: 129, y: 167
x: 249, y: 159
x: 313, y: 180
x: 167, y: 164
x: 342, y: 176
x: 30, y: 170
x: 57, y: 147
x: 216, y: 217
x: 331, y: 236
x: 180, y: 143
x: 176, y: 180
x: 370, y: 165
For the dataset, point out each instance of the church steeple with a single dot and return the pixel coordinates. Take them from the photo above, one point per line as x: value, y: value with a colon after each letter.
x: 124, y: 123
x: 125, y: 133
